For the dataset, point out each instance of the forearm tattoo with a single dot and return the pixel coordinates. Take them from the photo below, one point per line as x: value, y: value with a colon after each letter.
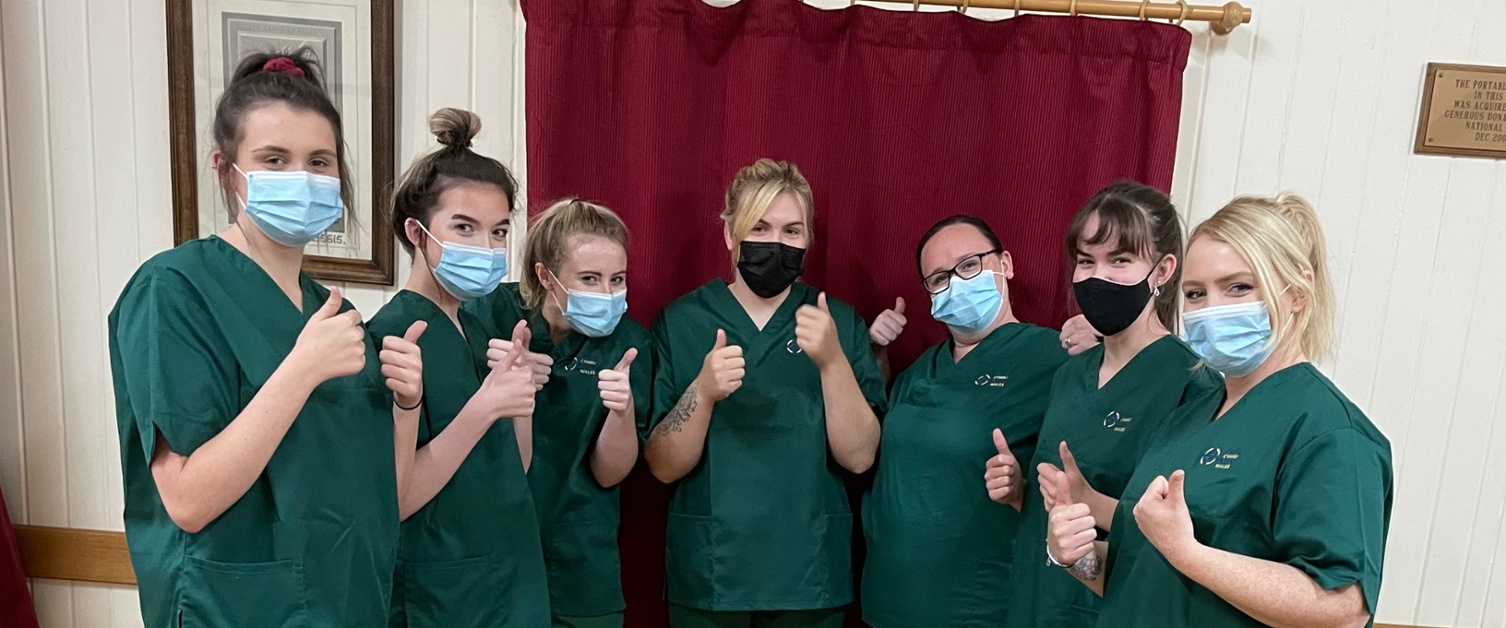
x: 678, y: 415
x: 1088, y: 568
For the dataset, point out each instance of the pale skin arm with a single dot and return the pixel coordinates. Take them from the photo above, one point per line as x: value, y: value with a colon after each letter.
x: 435, y: 464
x: 852, y: 430
x: 1089, y: 569
x: 522, y: 428
x: 675, y: 446
x: 404, y: 442
x: 616, y: 449
x: 196, y: 489
x: 1274, y: 593
x: 508, y: 390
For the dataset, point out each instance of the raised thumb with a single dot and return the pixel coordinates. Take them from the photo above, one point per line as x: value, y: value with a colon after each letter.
x: 1069, y: 461
x: 415, y: 330
x: 627, y: 360
x: 899, y: 305
x: 721, y: 340
x: 821, y: 302
x: 1063, y: 490
x: 331, y: 306
x: 1174, y: 491
x: 1000, y: 443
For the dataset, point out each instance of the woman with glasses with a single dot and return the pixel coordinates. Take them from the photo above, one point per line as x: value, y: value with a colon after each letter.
x: 939, y: 549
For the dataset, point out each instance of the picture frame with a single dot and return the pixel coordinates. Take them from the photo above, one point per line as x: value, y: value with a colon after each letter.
x: 354, y: 41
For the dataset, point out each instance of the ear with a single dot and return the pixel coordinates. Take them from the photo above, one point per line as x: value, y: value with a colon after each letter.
x: 1006, y: 265
x: 727, y: 236
x: 1164, y: 271
x: 220, y: 164
x: 414, y: 234
x: 1296, y: 297
x: 542, y: 274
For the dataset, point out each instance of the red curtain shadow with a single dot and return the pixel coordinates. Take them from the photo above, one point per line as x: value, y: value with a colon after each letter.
x: 898, y: 119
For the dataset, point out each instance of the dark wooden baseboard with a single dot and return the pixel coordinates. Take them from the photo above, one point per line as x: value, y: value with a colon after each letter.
x: 75, y: 554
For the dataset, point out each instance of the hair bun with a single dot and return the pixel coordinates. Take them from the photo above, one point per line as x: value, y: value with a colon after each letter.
x: 454, y: 127
x: 283, y: 65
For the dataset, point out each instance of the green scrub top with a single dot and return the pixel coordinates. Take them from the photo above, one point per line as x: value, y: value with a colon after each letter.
x: 196, y: 333
x: 938, y: 547
x: 1108, y: 429
x: 762, y: 522
x: 471, y: 556
x: 1293, y: 473
x: 578, y: 517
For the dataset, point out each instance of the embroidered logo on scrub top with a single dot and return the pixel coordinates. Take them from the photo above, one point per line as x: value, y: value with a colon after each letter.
x: 1218, y: 458
x: 583, y: 366
x: 1116, y: 421
x: 994, y: 381
x: 793, y: 347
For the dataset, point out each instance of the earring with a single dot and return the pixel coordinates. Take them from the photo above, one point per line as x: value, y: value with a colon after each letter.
x: 1156, y: 292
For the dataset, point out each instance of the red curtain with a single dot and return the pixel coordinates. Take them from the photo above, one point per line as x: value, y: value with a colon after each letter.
x: 898, y: 119
x: 15, y: 598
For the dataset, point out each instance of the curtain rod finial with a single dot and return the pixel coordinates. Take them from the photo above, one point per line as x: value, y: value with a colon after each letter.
x: 1234, y: 15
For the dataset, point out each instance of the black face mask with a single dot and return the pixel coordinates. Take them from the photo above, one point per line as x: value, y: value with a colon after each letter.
x: 770, y: 267
x: 1111, y: 307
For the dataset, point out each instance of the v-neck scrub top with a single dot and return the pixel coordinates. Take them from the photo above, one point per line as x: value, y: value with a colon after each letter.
x: 939, y: 550
x: 195, y: 335
x: 471, y: 556
x: 763, y: 521
x: 1108, y: 430
x: 578, y: 517
x: 1293, y: 473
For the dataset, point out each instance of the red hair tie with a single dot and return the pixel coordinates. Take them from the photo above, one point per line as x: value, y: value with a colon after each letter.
x: 283, y: 65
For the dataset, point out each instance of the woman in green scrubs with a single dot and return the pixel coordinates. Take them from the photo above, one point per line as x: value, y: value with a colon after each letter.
x: 1271, y: 505
x: 938, y: 548
x: 470, y: 553
x: 263, y: 456
x: 573, y: 297
x: 765, y: 395
x: 1109, y: 403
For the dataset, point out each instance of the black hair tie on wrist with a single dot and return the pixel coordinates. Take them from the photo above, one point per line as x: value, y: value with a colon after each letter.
x: 416, y: 404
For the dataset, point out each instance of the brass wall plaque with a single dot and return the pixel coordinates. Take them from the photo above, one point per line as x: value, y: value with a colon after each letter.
x: 1463, y: 111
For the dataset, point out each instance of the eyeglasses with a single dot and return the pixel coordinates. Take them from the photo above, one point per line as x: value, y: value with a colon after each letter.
x: 969, y: 267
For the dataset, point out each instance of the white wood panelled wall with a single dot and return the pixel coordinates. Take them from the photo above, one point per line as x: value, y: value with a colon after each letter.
x: 86, y: 199
x: 1318, y: 97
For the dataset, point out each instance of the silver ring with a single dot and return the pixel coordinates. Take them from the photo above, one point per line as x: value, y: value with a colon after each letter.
x: 1068, y: 342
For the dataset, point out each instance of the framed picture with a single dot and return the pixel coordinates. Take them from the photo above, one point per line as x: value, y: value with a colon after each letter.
x: 353, y: 40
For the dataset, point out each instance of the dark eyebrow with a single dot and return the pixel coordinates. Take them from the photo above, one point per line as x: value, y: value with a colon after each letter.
x: 466, y: 219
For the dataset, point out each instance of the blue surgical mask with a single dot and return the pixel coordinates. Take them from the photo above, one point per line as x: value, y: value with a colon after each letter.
x: 1233, y: 339
x: 292, y: 207
x: 468, y: 272
x: 968, y: 306
x: 592, y: 313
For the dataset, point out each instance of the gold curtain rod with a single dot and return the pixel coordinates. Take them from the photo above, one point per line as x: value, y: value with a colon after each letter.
x: 1222, y: 19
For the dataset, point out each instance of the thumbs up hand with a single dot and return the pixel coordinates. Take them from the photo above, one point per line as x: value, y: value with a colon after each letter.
x: 1002, y: 474
x: 816, y: 333
x: 722, y: 369
x: 1078, y: 336
x: 1071, y: 529
x: 616, y: 389
x: 509, y: 388
x: 539, y: 365
x: 1076, y: 482
x: 889, y: 324
x: 331, y: 344
x: 403, y: 366
x: 1163, y: 517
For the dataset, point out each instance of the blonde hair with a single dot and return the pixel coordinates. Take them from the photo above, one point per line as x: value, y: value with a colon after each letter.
x: 1281, y: 239
x: 549, y: 235
x: 754, y: 189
